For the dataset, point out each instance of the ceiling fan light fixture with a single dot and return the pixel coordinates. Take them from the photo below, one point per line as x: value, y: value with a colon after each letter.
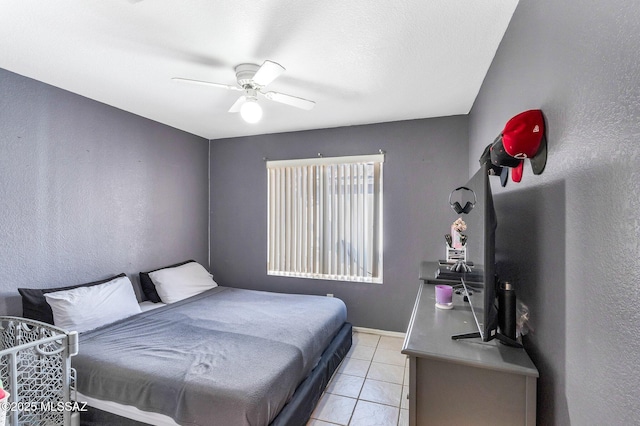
x: 250, y: 111
x: 251, y: 79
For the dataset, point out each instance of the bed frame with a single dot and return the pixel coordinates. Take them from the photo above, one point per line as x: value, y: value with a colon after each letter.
x: 297, y: 411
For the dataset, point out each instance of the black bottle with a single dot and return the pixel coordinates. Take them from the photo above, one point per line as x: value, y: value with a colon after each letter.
x: 507, y: 310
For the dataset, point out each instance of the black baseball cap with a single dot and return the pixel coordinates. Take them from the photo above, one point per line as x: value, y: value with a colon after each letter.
x: 500, y: 157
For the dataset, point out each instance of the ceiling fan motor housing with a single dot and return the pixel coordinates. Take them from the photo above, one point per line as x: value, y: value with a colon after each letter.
x: 245, y: 74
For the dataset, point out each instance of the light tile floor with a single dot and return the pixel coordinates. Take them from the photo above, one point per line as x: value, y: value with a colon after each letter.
x: 370, y: 387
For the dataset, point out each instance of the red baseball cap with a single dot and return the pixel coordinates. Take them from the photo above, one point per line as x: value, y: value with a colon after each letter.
x: 524, y: 137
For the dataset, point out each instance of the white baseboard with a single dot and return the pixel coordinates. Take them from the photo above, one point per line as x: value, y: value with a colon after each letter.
x: 379, y: 332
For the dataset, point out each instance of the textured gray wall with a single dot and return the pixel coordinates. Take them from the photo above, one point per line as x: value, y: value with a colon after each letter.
x: 425, y: 160
x: 569, y: 238
x: 88, y: 190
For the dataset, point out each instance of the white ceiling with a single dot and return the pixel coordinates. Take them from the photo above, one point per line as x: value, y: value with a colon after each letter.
x: 361, y: 61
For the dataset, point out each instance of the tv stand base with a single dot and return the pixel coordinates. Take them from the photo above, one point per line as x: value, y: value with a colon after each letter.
x: 466, y: 336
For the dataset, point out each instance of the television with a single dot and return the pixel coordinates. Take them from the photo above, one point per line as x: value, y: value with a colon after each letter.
x: 480, y: 284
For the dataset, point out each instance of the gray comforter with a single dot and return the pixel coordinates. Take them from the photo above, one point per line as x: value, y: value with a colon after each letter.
x: 225, y: 357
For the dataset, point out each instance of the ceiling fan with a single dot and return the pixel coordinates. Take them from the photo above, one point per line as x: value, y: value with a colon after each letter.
x: 252, y: 80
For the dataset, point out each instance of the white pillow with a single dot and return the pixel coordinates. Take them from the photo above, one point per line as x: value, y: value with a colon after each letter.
x: 86, y: 308
x: 180, y: 282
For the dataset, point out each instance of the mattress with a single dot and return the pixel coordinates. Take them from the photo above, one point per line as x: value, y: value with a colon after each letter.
x: 226, y: 356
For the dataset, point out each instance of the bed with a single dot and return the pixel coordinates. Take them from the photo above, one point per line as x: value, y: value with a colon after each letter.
x: 225, y: 356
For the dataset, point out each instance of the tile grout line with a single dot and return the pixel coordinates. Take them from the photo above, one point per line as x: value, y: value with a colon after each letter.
x: 363, y: 382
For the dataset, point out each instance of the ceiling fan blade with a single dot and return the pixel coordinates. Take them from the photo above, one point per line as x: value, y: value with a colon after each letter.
x: 295, y: 101
x: 237, y: 104
x: 267, y: 72
x: 207, y: 83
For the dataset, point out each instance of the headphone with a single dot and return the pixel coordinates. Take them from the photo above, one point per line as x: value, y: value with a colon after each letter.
x: 467, y: 207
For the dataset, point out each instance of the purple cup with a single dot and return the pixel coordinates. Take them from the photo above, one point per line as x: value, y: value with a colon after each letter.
x: 444, y: 295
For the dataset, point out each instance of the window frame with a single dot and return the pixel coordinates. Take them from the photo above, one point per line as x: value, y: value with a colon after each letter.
x: 318, y: 184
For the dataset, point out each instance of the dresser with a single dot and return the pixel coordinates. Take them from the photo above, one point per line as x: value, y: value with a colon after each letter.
x: 463, y: 382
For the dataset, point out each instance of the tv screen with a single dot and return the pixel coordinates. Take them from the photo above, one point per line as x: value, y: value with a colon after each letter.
x: 480, y: 282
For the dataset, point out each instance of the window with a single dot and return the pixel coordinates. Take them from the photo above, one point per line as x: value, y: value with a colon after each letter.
x: 325, y: 218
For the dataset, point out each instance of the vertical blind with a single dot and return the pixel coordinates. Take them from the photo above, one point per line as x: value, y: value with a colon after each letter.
x: 325, y: 218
